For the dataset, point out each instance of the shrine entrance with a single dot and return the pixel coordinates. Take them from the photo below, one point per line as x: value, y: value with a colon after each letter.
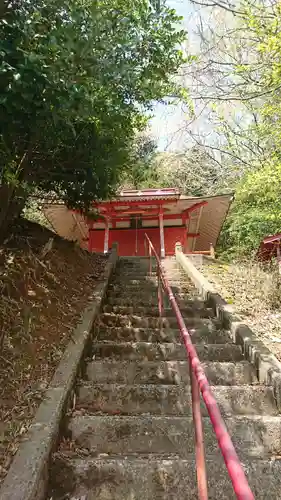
x: 166, y: 216
x: 156, y: 213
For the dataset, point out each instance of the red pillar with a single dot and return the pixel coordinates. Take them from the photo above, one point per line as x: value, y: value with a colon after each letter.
x: 162, y: 240
x: 106, y: 236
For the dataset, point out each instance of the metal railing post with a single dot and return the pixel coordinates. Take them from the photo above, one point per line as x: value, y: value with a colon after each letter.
x: 150, y: 258
x: 160, y: 297
x: 199, y: 437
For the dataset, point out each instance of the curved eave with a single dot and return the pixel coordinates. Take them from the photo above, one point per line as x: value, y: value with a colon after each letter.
x: 207, y: 219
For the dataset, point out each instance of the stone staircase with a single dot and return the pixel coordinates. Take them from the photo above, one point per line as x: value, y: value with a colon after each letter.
x: 130, y: 435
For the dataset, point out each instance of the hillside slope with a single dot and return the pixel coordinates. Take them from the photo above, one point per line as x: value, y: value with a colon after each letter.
x: 45, y: 284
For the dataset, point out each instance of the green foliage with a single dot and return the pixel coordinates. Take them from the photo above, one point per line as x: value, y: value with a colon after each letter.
x: 254, y: 136
x: 256, y: 211
x: 139, y: 170
x: 33, y: 212
x: 76, y: 79
x: 262, y: 74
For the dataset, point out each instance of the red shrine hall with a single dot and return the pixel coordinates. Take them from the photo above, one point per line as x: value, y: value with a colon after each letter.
x: 165, y: 215
x: 156, y: 213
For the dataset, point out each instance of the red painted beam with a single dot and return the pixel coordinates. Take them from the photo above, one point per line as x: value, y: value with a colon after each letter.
x: 150, y: 217
x: 111, y: 204
x: 192, y: 235
x: 195, y: 206
x: 189, y: 235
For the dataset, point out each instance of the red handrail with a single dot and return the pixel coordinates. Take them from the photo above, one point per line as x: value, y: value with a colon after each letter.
x: 198, y: 378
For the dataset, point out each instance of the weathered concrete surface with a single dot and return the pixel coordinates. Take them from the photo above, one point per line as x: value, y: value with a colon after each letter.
x: 173, y: 399
x: 149, y: 298
x: 147, y: 291
x: 253, y: 436
x: 152, y: 478
x: 168, y: 372
x: 267, y: 366
x: 154, y: 311
x: 165, y: 351
x: 139, y: 321
x: 28, y: 475
x: 132, y: 421
x: 200, y: 335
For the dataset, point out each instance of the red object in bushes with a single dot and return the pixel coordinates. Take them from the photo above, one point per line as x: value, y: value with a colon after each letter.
x: 269, y: 247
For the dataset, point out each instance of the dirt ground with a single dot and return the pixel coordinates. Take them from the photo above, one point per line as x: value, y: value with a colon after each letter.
x: 44, y: 287
x: 254, y: 291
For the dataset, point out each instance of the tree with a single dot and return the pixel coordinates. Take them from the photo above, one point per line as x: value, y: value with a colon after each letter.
x: 140, y: 170
x: 225, y: 82
x: 256, y: 211
x: 192, y: 171
x: 77, y: 77
x: 237, y: 85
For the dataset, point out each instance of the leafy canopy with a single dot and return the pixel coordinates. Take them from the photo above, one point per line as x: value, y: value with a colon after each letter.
x: 248, y: 68
x: 257, y: 209
x: 76, y: 79
x: 139, y: 172
x: 192, y: 171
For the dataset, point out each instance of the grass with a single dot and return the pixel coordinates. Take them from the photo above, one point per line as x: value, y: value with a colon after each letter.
x: 254, y: 290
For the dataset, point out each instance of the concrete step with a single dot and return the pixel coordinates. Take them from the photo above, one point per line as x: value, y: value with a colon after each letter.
x: 159, y: 399
x: 111, y: 319
x: 148, y: 351
x: 143, y: 277
x: 149, y: 288
x: 144, y: 283
x: 148, y: 299
x: 256, y: 436
x: 134, y: 273
x: 144, y: 264
x: 149, y: 281
x: 203, y: 335
x: 155, y: 478
x: 154, y: 311
x: 167, y: 372
x: 135, y: 261
x: 136, y: 270
x: 144, y: 289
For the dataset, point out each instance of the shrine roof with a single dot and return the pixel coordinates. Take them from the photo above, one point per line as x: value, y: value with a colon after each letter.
x: 147, y: 194
x: 208, y: 212
x: 271, y: 239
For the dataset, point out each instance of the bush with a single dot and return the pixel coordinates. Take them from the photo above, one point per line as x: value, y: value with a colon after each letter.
x: 256, y: 211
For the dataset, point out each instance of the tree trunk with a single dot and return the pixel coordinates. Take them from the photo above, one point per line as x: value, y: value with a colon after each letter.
x: 13, y: 196
x: 12, y: 202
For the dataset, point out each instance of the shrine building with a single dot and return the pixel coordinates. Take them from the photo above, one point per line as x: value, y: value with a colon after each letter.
x: 165, y: 215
